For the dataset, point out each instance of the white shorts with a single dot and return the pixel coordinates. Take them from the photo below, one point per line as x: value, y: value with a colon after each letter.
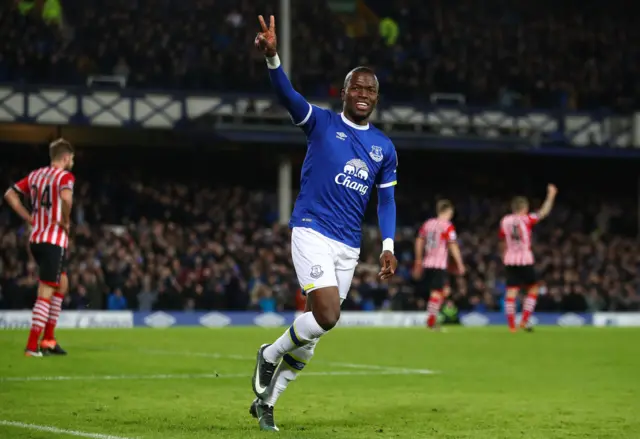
x: 322, y: 262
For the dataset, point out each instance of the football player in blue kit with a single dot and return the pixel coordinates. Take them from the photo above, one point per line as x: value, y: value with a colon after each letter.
x: 346, y: 156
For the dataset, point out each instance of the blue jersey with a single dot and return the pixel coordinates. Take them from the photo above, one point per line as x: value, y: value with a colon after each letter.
x: 344, y: 162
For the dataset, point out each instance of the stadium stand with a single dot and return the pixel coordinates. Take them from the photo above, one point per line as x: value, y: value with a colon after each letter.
x: 186, y: 169
x: 184, y: 235
x: 172, y: 240
x: 513, y: 54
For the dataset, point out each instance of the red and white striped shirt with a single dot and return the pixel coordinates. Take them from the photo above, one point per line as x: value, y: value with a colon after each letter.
x: 43, y: 186
x: 437, y: 234
x: 515, y: 229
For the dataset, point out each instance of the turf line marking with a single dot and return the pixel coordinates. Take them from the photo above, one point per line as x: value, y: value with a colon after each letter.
x: 404, y: 370
x: 59, y: 430
x: 192, y: 376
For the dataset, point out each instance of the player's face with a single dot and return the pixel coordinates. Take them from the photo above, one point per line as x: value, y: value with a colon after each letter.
x: 449, y: 213
x: 69, y: 160
x: 361, y: 96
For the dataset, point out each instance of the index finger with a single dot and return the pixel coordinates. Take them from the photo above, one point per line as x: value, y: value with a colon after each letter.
x: 272, y: 23
x: 263, y: 25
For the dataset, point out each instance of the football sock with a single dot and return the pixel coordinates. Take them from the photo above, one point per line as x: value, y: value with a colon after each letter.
x: 38, y: 321
x: 433, y: 308
x: 291, y: 365
x: 303, y: 330
x: 528, y: 308
x: 54, y: 313
x: 510, y: 308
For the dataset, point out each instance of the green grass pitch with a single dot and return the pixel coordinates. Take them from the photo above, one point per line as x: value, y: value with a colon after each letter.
x: 191, y: 383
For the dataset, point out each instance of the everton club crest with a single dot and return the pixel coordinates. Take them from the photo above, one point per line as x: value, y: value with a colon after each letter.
x: 376, y: 153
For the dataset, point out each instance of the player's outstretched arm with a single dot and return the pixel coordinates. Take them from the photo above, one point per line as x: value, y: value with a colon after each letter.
x: 296, y: 105
x: 546, y: 207
x: 12, y: 198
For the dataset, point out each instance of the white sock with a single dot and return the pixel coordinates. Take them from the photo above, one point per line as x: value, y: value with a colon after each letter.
x: 303, y: 330
x: 292, y: 364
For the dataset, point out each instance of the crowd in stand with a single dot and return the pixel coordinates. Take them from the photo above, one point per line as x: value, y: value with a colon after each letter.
x: 175, y: 237
x: 523, y: 53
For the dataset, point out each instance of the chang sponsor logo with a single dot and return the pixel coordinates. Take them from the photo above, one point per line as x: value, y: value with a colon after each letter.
x: 382, y: 319
x: 71, y: 319
x: 215, y: 320
x: 354, y: 176
x: 269, y: 320
x: 159, y: 320
x: 474, y: 319
x: 571, y: 319
x: 109, y: 319
x: 15, y: 320
x: 616, y: 319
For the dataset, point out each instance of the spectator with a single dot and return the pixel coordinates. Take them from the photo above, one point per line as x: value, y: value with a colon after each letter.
x: 117, y: 301
x: 170, y: 241
x: 514, y: 54
x: 147, y: 297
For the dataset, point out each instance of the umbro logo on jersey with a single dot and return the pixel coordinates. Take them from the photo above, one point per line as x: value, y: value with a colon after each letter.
x: 340, y: 135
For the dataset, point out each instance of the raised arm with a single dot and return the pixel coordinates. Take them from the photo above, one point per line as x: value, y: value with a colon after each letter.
x: 547, y: 205
x: 297, y: 106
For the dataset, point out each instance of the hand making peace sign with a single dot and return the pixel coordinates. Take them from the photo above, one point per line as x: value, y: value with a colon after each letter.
x: 266, y: 40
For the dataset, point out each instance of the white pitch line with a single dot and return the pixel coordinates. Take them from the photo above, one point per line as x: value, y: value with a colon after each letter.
x: 49, y: 429
x: 404, y: 370
x: 192, y: 376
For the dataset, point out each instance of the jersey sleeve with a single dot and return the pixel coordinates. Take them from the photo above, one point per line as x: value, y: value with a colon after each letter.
x: 22, y: 186
x: 304, y: 115
x: 533, y: 219
x: 450, y: 234
x: 387, y: 176
x: 501, y: 233
x: 422, y: 233
x: 316, y: 121
x: 67, y: 181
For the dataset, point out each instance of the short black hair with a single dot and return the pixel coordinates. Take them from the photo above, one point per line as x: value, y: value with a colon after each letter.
x: 360, y: 69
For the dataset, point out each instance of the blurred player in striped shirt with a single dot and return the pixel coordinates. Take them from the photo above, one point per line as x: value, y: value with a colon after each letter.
x: 50, y: 190
x: 515, y: 233
x: 435, y: 242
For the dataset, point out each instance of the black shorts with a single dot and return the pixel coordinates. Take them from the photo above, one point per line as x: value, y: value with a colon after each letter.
x: 51, y: 260
x: 521, y: 276
x: 433, y: 279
